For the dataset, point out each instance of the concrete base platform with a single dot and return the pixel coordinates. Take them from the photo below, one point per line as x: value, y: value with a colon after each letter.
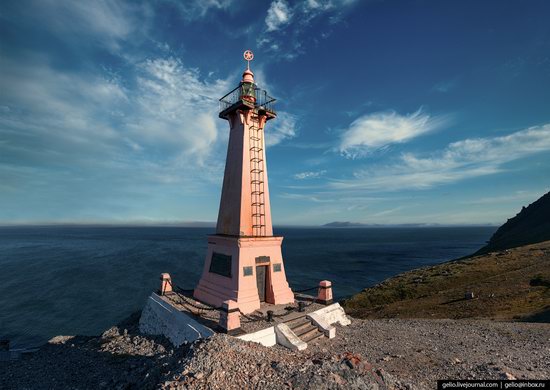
x: 162, y: 318
x: 163, y: 315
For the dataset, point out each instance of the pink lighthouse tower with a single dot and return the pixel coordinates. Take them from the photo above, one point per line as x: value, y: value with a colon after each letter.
x: 244, y: 262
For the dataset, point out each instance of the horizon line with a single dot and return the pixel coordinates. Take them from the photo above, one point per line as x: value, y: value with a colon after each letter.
x: 352, y: 225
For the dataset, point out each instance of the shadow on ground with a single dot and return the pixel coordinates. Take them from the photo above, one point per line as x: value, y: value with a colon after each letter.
x: 121, y: 358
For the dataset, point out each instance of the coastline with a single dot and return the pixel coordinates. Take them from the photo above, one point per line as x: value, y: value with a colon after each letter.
x: 398, y: 353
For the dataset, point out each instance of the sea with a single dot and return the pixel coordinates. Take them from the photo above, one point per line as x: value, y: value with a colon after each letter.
x: 59, y: 280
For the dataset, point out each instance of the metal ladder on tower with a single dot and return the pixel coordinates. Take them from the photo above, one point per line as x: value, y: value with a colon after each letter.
x: 257, y: 178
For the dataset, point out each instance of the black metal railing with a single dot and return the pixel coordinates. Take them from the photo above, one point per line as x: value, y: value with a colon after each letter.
x: 254, y: 96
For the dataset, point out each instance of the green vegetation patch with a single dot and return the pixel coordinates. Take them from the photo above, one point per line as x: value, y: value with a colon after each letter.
x: 507, y: 285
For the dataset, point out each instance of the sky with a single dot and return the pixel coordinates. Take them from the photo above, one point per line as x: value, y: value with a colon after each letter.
x: 389, y: 112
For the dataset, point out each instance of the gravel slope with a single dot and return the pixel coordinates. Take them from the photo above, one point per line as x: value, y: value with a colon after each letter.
x: 369, y: 354
x: 423, y: 351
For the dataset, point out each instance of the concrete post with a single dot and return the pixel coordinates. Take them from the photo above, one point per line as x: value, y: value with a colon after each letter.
x: 165, y: 283
x: 230, y: 317
x: 324, y: 295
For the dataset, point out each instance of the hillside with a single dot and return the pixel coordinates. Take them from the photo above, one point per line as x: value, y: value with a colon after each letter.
x: 529, y: 226
x: 509, y: 285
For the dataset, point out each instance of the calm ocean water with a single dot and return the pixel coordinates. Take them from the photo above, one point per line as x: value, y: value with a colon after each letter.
x: 81, y: 280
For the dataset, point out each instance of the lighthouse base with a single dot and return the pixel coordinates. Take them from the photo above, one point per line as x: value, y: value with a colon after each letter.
x: 247, y: 270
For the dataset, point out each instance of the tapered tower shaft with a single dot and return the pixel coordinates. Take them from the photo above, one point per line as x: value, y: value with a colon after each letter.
x: 244, y: 261
x: 244, y: 207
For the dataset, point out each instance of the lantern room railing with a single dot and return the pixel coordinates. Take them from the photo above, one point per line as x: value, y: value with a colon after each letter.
x: 250, y: 96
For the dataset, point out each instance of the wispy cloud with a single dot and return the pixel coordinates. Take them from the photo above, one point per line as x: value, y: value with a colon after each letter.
x: 159, y: 114
x: 283, y: 128
x: 103, y: 23
x: 278, y: 15
x: 76, y: 142
x: 512, y: 198
x: 176, y: 108
x: 196, y: 9
x: 309, y: 175
x: 458, y: 161
x: 445, y: 86
x: 292, y: 20
x: 380, y: 129
x: 387, y: 211
x: 306, y: 197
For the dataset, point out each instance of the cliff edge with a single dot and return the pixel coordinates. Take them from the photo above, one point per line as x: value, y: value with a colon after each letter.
x: 508, y: 279
x: 530, y: 226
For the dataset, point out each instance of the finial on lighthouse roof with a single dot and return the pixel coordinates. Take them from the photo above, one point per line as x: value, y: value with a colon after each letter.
x: 248, y: 76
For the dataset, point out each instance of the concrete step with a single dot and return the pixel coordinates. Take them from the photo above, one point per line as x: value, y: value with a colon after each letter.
x: 311, y: 335
x: 318, y: 337
x: 300, y: 326
x: 304, y: 330
x: 294, y: 316
x: 296, y: 321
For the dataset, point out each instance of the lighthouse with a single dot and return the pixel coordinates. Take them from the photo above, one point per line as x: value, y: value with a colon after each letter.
x: 244, y: 261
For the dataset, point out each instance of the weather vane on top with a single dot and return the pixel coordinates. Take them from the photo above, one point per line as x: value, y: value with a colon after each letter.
x: 248, y: 56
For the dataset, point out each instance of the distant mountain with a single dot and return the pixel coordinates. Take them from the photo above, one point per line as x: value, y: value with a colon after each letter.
x: 531, y: 225
x: 345, y: 224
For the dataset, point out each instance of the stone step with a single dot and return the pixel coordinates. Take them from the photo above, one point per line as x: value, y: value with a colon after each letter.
x: 310, y: 335
x: 299, y: 326
x: 296, y: 320
x: 317, y: 337
x: 304, y: 330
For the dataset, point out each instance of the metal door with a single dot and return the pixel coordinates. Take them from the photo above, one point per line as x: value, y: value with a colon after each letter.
x: 261, y: 273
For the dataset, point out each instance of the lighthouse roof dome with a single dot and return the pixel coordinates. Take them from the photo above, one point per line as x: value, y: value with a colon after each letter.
x: 248, y: 76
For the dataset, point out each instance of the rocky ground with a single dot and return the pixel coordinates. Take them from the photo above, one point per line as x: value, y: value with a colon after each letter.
x: 369, y: 354
x: 419, y: 352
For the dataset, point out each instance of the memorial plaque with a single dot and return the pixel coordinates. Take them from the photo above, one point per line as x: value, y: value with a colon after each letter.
x: 277, y: 267
x: 247, y: 271
x: 220, y: 264
x: 262, y: 259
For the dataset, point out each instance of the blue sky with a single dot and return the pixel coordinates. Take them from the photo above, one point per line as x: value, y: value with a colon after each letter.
x: 389, y: 111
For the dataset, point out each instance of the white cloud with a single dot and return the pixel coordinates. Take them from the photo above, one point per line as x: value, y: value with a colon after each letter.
x: 318, y: 5
x: 458, y: 161
x: 281, y: 128
x: 278, y: 15
x: 288, y: 23
x: 176, y: 109
x: 162, y: 129
x: 195, y: 9
x: 46, y: 106
x: 380, y: 129
x: 512, y: 198
x: 308, y: 198
x: 310, y: 175
x: 104, y: 22
x: 445, y: 86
